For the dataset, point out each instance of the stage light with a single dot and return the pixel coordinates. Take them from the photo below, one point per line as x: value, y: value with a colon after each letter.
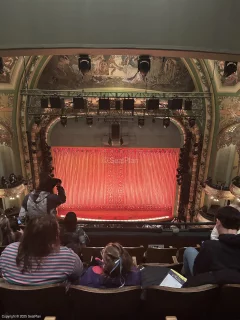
x: 141, y: 122
x: 175, y: 104
x: 104, y: 104
x: 166, y: 123
x: 1, y: 66
x: 63, y: 120
x: 78, y: 103
x: 44, y: 103
x: 230, y: 67
x: 37, y: 120
x: 56, y: 103
x: 191, y: 122
x: 89, y: 121
x: 84, y: 63
x: 152, y: 104
x: 144, y: 65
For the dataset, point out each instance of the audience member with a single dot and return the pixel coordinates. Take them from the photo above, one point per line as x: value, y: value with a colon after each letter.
x: 217, y: 261
x: 38, y: 258
x: 43, y: 200
x: 6, y: 233
x: 115, y: 270
x: 71, y: 235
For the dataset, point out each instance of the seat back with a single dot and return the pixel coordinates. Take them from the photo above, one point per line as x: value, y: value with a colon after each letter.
x: 104, y: 303
x: 164, y: 255
x: 229, y: 300
x: 47, y: 300
x: 136, y: 253
x: 90, y: 253
x: 186, y: 302
x: 180, y: 253
x: 174, y: 266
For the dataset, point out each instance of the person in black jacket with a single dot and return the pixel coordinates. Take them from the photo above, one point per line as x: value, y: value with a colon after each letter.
x: 43, y: 200
x: 217, y: 261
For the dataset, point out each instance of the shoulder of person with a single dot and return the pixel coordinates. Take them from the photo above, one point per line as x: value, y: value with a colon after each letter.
x: 67, y: 251
x: 208, y: 244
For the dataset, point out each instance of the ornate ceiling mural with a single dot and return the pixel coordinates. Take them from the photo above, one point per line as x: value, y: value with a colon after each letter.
x: 231, y: 80
x: 115, y: 71
x: 229, y: 111
x: 9, y: 64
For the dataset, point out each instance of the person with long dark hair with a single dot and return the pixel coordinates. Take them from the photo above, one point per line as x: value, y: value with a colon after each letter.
x: 115, y: 270
x: 71, y: 235
x: 38, y: 258
x: 43, y: 200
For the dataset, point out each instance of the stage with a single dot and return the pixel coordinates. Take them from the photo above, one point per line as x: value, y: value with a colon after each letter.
x: 117, y: 184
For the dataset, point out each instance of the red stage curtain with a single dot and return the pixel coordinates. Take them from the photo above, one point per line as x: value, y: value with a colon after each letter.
x: 117, y: 179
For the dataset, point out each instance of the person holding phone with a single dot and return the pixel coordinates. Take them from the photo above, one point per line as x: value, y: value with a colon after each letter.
x: 43, y: 200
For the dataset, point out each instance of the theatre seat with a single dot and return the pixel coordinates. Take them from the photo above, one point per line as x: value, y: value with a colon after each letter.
x: 105, y: 303
x: 49, y: 300
x: 175, y: 266
x: 160, y: 255
x: 229, y: 301
x: 180, y: 253
x: 89, y: 253
x: 136, y: 253
x: 186, y: 303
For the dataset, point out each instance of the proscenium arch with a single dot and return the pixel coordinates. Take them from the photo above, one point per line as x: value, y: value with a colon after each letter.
x: 201, y: 77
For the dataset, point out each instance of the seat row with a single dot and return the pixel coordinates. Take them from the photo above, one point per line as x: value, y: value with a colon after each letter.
x: 157, y: 302
x: 140, y: 255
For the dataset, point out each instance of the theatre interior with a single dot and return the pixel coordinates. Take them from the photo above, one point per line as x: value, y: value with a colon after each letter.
x: 147, y: 146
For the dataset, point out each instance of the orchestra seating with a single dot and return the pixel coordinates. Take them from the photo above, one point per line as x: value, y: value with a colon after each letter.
x: 105, y: 304
x: 160, y: 255
x: 153, y: 302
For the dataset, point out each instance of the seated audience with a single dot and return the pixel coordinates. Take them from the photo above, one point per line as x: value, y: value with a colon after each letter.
x: 6, y: 233
x: 115, y: 270
x: 43, y: 200
x: 71, y: 235
x: 38, y: 258
x: 217, y: 261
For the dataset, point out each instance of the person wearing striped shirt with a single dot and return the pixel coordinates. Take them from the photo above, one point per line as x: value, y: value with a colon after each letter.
x: 38, y: 258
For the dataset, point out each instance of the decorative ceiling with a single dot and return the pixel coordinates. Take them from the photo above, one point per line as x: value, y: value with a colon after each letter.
x: 233, y: 79
x: 9, y: 64
x: 115, y: 71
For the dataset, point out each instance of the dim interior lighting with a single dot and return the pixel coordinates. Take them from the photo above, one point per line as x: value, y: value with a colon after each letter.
x: 17, y: 196
x: 1, y: 66
x: 89, y: 121
x: 230, y: 67
x: 141, y: 122
x: 84, y: 63
x: 238, y: 199
x: 144, y: 65
x: 63, y: 120
x: 191, y: 122
x: 166, y: 123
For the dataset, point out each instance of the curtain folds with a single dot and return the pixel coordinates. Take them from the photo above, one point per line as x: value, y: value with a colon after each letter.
x: 117, y: 179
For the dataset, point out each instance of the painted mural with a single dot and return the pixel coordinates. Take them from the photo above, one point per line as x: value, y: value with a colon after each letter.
x: 9, y: 63
x: 115, y: 71
x: 233, y: 79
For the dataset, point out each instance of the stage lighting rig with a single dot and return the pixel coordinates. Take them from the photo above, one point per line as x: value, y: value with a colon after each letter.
x: 89, y: 121
x: 84, y: 63
x: 1, y: 66
x: 63, y: 120
x: 230, y: 67
x: 144, y: 65
x: 166, y: 123
x: 191, y: 122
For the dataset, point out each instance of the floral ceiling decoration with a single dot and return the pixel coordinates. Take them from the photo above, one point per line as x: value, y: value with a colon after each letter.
x: 229, y: 136
x: 9, y: 64
x: 115, y: 71
x: 229, y: 107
